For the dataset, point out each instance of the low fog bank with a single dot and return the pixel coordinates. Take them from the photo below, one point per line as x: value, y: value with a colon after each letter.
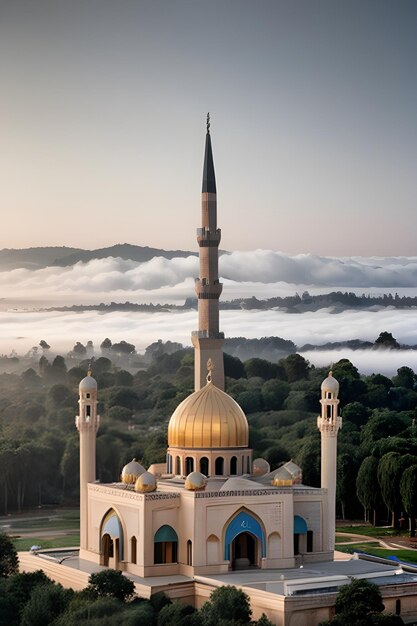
x: 262, y: 273
x: 20, y: 331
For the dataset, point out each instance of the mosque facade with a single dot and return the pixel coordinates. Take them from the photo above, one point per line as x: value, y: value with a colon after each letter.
x: 210, y: 508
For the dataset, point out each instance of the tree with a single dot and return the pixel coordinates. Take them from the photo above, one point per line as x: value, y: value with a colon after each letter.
x: 274, y: 393
x: 386, y: 340
x: 46, y: 602
x: 8, y: 557
x: 260, y: 367
x: 347, y: 469
x: 226, y: 604
x: 44, y: 345
x: 79, y: 349
x: 123, y: 348
x: 366, y: 486
x: 175, y: 613
x: 390, y: 471
x: 111, y: 583
x: 233, y: 367
x: 359, y: 604
x: 359, y: 599
x: 408, y: 491
x: 356, y: 412
x: 106, y: 345
x: 296, y: 367
x: 405, y: 378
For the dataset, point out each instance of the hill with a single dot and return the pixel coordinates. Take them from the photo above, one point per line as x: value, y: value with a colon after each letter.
x: 63, y: 256
x: 33, y: 258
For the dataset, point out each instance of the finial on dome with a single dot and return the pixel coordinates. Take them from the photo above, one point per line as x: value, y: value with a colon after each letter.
x: 89, y: 371
x: 210, y: 368
x: 331, y: 373
x: 208, y: 123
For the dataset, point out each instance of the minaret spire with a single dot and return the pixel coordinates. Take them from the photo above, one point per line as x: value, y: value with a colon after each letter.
x: 208, y: 340
x: 209, y: 177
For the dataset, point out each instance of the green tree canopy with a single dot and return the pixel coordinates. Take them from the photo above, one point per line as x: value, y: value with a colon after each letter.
x: 367, y: 486
x: 111, y: 583
x: 226, y: 603
x: 8, y: 556
x: 408, y: 491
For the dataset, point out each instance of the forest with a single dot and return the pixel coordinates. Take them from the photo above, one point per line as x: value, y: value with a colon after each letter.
x: 377, y: 446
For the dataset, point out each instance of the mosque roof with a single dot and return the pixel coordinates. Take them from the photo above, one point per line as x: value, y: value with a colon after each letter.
x: 208, y: 418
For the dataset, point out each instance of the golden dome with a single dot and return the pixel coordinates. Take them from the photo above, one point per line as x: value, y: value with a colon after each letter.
x: 195, y: 481
x: 208, y: 418
x: 146, y: 482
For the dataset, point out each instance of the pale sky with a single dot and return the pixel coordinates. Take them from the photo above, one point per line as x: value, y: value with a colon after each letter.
x: 314, y: 123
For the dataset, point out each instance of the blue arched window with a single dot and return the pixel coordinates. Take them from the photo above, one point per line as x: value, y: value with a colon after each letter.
x: 300, y: 525
x: 165, y: 545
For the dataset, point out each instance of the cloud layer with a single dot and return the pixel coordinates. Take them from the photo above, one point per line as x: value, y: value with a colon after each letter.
x: 262, y: 273
x: 22, y: 330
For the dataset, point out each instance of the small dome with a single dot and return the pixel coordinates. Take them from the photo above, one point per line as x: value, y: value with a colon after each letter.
x: 330, y: 385
x: 195, y: 481
x: 146, y: 482
x: 131, y: 472
x: 282, y: 478
x: 88, y: 383
x: 295, y: 471
x: 260, y: 467
x: 208, y: 418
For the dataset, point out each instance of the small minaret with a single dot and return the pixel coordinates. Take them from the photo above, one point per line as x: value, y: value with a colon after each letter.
x: 329, y: 423
x: 208, y: 340
x: 87, y: 422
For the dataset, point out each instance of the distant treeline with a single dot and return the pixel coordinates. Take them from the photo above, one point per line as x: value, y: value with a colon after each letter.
x: 292, y: 304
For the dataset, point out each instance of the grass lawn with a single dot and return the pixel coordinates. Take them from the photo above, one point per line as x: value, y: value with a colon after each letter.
x: 371, y: 531
x: 410, y: 556
x: 67, y: 541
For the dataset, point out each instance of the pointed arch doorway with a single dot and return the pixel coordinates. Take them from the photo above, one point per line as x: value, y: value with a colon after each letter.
x: 244, y: 551
x: 244, y: 541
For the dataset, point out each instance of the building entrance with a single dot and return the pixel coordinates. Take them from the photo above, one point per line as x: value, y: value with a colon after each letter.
x: 244, y: 551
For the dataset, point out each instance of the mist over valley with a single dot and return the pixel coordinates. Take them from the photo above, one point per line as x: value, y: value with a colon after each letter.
x: 261, y: 274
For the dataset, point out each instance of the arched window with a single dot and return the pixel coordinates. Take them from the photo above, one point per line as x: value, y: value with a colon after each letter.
x: 248, y: 464
x: 178, y: 466
x: 233, y: 465
x: 169, y: 464
x: 165, y: 545
x: 204, y: 465
x: 111, y: 534
x: 219, y: 465
x: 189, y: 552
x: 133, y: 545
x: 189, y: 465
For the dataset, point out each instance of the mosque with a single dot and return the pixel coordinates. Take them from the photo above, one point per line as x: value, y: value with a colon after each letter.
x: 210, y: 508
x: 211, y: 514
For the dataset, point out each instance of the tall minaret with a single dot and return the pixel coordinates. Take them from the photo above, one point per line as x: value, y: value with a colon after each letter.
x: 87, y: 422
x: 208, y: 340
x: 329, y: 423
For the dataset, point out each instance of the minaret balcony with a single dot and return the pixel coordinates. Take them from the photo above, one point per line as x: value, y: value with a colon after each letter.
x: 207, y: 334
x: 206, y: 290
x: 207, y: 238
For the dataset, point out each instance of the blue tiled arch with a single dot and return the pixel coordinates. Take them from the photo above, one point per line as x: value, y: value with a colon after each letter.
x: 243, y: 523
